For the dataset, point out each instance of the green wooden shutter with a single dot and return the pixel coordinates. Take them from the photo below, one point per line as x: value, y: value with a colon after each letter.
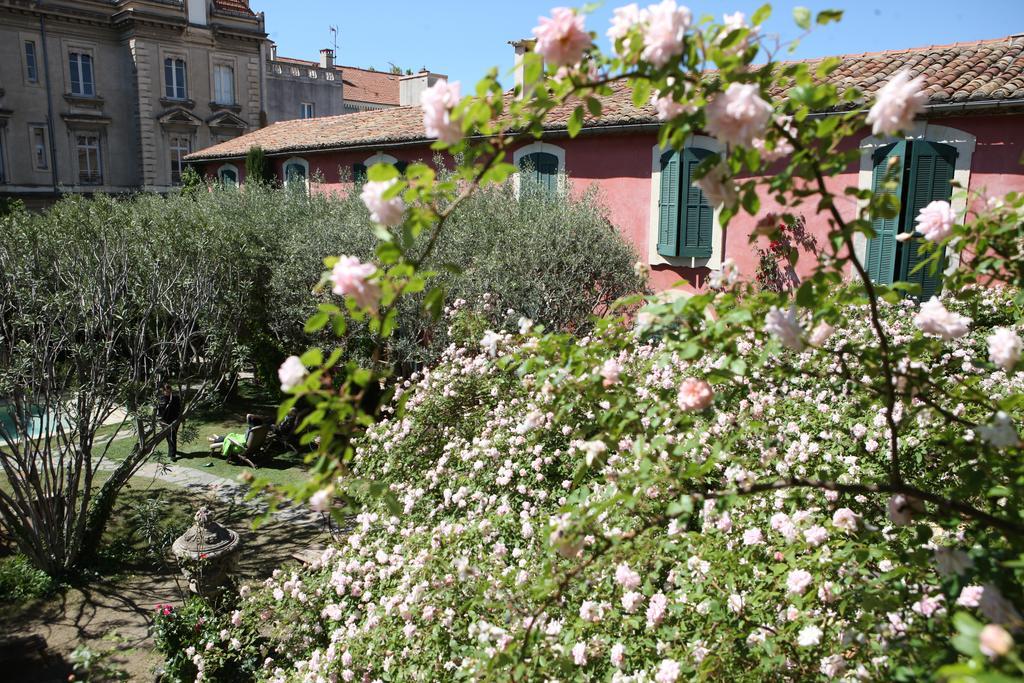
x: 668, y: 205
x: 931, y: 170
x: 697, y: 217
x: 540, y: 168
x: 881, y: 253
x: 359, y: 173
x: 401, y: 166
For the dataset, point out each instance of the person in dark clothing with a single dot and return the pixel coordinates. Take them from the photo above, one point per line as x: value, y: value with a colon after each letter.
x: 168, y: 409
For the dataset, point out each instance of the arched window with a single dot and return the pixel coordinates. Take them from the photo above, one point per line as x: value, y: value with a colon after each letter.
x: 296, y: 173
x: 539, y: 169
x: 228, y: 175
x: 540, y: 164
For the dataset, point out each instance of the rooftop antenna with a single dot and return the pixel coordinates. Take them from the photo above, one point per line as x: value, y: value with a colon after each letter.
x: 334, y: 32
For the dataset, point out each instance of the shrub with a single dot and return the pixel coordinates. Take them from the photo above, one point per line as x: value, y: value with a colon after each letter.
x: 535, y: 526
x: 19, y: 580
x: 257, y: 167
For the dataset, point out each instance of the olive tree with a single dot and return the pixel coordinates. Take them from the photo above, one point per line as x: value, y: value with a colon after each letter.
x: 101, y: 302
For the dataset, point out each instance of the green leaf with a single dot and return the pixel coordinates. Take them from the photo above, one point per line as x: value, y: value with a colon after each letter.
x: 317, y: 322
x: 762, y: 13
x: 312, y: 358
x: 802, y: 16
x: 575, y: 123
x: 828, y: 15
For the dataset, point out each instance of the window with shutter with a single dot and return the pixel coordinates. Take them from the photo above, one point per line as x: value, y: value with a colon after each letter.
x: 931, y: 170
x: 697, y: 218
x: 881, y: 253
x: 400, y: 166
x: 926, y: 169
x: 668, y: 205
x: 359, y: 173
x: 541, y: 169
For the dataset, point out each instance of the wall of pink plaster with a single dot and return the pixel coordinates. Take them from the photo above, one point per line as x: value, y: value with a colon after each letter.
x: 618, y: 169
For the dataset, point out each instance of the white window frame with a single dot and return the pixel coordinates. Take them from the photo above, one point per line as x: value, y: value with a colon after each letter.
x: 289, y: 162
x: 533, y: 148
x: 219, y: 83
x: 75, y: 68
x: 312, y: 110
x: 25, y: 42
x: 97, y: 148
x: 713, y: 262
x: 379, y: 158
x: 228, y: 167
x: 171, y: 86
x: 175, y: 154
x: 962, y: 141
x: 39, y: 164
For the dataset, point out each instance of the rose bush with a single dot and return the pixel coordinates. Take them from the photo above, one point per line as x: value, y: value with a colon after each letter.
x: 822, y: 481
x: 500, y: 500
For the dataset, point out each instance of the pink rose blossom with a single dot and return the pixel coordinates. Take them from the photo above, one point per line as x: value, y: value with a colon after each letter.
x: 561, y: 38
x: 897, y: 103
x: 617, y: 655
x: 656, y: 609
x: 809, y: 636
x: 667, y: 108
x: 970, y: 596
x: 626, y: 577
x: 695, y: 394
x: 845, y: 519
x: 816, y: 535
x: 663, y: 36
x: 929, y: 605
x: 632, y: 600
x: 934, y: 319
x: 798, y: 581
x: 579, y: 654
x: 383, y: 211
x: 718, y: 187
x: 1004, y: 348
x: 668, y: 671
x: 438, y: 101
x: 935, y: 221
x: 734, y: 22
x: 995, y: 641
x: 753, y: 537
x: 738, y: 115
x: 321, y: 500
x: 351, y: 278
x: 610, y: 371
x: 623, y: 21
x: 820, y: 334
x: 784, y: 326
x: 291, y: 373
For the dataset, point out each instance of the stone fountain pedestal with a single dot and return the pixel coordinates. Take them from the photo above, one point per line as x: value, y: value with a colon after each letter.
x: 206, y: 553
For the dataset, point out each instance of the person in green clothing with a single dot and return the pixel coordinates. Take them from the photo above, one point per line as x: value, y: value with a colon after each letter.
x: 234, y: 444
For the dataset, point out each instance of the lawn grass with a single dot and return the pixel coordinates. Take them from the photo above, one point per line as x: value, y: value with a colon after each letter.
x: 222, y: 418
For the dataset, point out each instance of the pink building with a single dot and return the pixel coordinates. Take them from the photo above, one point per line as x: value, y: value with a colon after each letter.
x: 972, y: 133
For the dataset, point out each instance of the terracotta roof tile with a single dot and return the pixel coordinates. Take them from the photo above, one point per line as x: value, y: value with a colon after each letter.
x: 962, y: 72
x: 374, y: 87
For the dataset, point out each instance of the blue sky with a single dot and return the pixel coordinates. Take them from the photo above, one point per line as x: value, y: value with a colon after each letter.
x: 463, y: 39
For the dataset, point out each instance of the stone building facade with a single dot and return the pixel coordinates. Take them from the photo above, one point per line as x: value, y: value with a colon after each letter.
x: 111, y: 95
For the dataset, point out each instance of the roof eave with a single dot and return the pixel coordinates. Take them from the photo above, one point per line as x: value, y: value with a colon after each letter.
x: 639, y: 126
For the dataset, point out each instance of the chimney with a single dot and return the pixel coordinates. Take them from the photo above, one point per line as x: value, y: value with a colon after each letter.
x: 522, y: 47
x: 273, y: 51
x: 412, y: 86
x: 327, y: 58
